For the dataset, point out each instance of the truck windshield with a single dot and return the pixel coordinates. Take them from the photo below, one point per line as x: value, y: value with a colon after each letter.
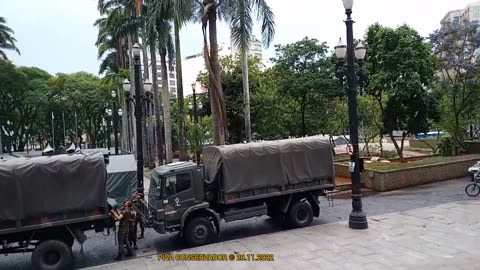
x: 155, y: 185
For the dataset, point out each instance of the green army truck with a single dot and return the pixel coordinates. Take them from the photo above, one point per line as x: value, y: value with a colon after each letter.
x: 49, y: 202
x: 282, y: 179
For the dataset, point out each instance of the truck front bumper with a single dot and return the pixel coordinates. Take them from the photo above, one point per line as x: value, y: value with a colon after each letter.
x: 159, y: 227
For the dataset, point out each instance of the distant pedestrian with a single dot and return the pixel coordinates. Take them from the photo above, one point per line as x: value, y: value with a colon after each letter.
x: 124, y: 218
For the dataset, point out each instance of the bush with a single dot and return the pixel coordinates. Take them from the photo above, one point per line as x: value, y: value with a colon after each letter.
x: 446, y: 146
x: 389, y: 154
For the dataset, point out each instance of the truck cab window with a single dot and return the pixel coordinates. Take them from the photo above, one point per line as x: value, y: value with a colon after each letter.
x: 177, y: 183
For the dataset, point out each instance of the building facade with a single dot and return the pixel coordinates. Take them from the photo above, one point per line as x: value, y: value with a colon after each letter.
x: 471, y: 13
x: 172, y: 76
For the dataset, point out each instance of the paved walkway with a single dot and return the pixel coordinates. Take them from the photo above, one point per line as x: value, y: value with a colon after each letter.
x: 440, y: 237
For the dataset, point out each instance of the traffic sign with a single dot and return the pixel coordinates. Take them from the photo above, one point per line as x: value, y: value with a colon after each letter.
x: 350, y: 149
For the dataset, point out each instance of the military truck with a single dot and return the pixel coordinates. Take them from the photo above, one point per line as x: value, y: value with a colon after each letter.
x: 49, y: 202
x: 282, y: 179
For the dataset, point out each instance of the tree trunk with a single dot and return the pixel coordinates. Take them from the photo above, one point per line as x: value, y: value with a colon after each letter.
x: 181, y: 104
x: 218, y: 100
x: 398, y: 148
x: 246, y: 97
x: 166, y: 107
x: 156, y: 106
x: 303, y: 113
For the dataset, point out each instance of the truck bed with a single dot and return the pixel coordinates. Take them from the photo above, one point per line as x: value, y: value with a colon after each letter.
x: 261, y: 193
x: 48, y: 221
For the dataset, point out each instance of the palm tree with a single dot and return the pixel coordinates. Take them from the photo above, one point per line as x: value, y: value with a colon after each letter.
x: 7, y: 41
x: 181, y: 11
x: 239, y: 14
x: 159, y: 20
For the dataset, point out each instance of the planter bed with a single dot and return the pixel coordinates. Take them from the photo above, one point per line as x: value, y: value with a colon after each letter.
x: 395, y: 175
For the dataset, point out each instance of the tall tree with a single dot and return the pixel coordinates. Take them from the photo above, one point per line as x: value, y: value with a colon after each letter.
x: 208, y: 10
x: 402, y: 67
x: 7, y: 41
x: 304, y: 73
x: 240, y: 14
x: 456, y: 46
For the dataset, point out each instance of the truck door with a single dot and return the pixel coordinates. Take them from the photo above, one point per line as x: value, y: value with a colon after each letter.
x: 179, y: 196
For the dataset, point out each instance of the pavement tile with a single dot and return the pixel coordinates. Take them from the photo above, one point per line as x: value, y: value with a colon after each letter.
x: 440, y: 237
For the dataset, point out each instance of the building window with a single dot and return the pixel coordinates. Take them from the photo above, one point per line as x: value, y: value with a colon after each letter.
x: 476, y: 12
x: 172, y: 69
x: 171, y: 75
x: 173, y: 90
x: 172, y: 83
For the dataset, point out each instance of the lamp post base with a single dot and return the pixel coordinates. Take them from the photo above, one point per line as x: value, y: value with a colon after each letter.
x: 358, y: 220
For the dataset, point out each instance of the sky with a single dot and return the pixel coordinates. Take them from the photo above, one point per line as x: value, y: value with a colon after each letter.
x: 59, y: 36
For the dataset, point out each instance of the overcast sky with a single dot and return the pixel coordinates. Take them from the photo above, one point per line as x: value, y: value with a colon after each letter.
x: 58, y: 35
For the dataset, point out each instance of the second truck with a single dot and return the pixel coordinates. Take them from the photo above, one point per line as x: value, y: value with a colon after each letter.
x: 282, y: 179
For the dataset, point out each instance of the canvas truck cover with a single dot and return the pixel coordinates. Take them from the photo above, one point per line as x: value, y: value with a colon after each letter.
x: 121, y: 178
x: 267, y: 164
x: 34, y: 187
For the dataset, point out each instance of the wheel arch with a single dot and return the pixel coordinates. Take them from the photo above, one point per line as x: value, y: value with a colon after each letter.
x: 202, y: 210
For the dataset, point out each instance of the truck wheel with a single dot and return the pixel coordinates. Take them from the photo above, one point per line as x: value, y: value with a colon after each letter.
x: 300, y: 215
x: 52, y: 255
x: 198, y: 232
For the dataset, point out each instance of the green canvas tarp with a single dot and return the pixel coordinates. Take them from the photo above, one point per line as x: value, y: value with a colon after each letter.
x: 121, y: 178
x: 34, y: 187
x: 249, y: 166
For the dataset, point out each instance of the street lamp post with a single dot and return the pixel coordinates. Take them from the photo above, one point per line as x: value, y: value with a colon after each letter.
x: 26, y: 137
x: 138, y: 99
x: 357, y: 218
x: 115, y: 115
x: 195, y: 118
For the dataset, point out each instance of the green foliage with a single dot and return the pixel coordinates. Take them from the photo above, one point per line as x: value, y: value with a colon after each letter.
x: 446, y: 146
x: 305, y: 74
x: 24, y: 92
x: 456, y: 47
x: 7, y: 41
x: 200, y: 134
x: 402, y: 68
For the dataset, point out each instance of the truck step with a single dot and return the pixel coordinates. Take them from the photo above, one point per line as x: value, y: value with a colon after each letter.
x: 243, y: 213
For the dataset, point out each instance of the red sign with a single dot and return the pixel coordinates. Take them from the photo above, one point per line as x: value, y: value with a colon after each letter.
x: 350, y: 149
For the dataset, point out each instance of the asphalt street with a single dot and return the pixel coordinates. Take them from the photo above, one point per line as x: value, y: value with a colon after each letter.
x: 100, y: 249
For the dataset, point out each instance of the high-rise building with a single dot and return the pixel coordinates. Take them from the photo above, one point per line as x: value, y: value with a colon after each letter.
x: 172, y: 76
x: 471, y: 13
x: 192, y: 65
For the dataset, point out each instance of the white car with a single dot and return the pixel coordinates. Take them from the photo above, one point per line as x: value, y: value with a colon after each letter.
x: 473, y: 170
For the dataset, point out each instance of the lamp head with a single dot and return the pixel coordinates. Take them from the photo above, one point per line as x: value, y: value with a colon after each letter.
x: 126, y: 86
x: 147, y: 85
x: 136, y: 50
x: 348, y: 4
x: 360, y: 52
x: 340, y: 50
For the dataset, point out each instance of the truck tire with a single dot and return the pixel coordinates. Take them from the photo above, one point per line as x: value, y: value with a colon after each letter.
x: 199, y: 231
x: 300, y: 215
x: 52, y: 255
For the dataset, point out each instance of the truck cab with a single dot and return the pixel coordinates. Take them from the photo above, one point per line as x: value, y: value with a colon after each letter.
x: 175, y: 190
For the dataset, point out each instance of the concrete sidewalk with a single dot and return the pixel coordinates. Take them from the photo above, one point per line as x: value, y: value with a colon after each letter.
x: 441, y: 237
